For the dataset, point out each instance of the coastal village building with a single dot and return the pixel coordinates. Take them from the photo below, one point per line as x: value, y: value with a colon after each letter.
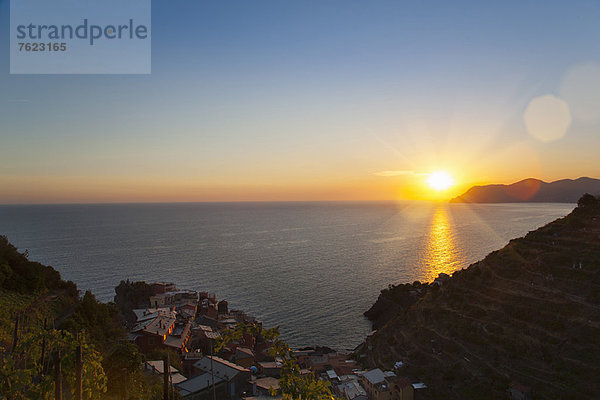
x: 376, y: 385
x: 173, y: 297
x: 206, y: 320
x: 402, y: 389
x: 351, y: 390
x: 223, y: 307
x: 151, y: 333
x: 241, y: 316
x: 203, y: 337
x: 270, y: 368
x: 145, y: 314
x: 200, y: 387
x: 168, y: 321
x: 162, y: 331
x: 157, y: 368
x: 163, y: 287
x: 236, y: 376
x: 386, y: 386
x: 160, y: 327
x: 188, y: 360
x: 320, y: 362
x: 187, y: 308
x: 179, y: 337
x: 262, y: 387
x: 189, y: 323
x: 243, y: 356
x: 224, y: 322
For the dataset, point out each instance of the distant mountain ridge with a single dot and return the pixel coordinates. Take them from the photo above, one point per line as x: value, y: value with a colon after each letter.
x: 532, y: 190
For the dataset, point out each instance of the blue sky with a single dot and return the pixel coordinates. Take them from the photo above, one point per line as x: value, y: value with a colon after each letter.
x: 302, y: 100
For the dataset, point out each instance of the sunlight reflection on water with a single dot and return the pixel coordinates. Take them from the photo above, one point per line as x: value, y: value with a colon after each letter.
x: 311, y: 268
x: 441, y: 254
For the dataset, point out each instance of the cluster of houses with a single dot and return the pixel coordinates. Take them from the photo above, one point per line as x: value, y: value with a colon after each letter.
x: 190, y: 322
x: 350, y: 382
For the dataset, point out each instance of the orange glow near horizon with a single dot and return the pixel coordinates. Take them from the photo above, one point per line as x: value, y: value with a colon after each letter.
x: 40, y: 189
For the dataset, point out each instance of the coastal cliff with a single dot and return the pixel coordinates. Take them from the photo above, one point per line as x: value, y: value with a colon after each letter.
x: 531, y: 190
x: 526, y: 315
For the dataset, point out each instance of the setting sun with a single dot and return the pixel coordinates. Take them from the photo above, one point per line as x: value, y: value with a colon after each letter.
x: 440, y: 180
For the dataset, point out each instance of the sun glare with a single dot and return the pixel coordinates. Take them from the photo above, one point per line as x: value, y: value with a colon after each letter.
x: 440, y: 180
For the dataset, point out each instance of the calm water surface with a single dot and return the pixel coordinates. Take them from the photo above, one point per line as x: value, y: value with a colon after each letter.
x: 312, y: 268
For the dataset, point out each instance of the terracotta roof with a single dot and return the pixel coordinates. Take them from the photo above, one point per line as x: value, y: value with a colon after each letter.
x: 267, y: 383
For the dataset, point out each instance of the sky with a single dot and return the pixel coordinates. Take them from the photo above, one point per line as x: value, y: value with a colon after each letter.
x: 313, y: 100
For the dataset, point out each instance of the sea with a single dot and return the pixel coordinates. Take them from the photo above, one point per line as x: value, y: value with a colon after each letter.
x: 311, y: 268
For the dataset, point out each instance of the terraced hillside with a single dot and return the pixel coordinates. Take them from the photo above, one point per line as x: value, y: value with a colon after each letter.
x: 528, y: 313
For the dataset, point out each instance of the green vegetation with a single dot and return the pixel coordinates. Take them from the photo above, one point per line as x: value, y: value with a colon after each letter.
x: 293, y: 385
x: 53, y: 317
x: 102, y: 321
x: 587, y: 202
x: 11, y: 304
x: 24, y: 372
x: 132, y: 295
x: 393, y: 300
x: 20, y: 275
x: 161, y: 353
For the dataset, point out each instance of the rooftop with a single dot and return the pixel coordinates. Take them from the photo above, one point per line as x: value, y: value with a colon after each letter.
x: 245, y: 351
x: 352, y: 389
x: 197, y: 383
x: 332, y: 375
x: 374, y: 376
x: 160, y: 325
x: 157, y: 367
x: 144, y: 314
x: 270, y: 364
x: 223, y: 368
x: 267, y: 383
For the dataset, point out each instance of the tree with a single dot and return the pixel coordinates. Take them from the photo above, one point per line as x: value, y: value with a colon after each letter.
x: 100, y: 320
x: 123, y: 369
x: 24, y: 375
x: 161, y: 353
x: 588, y: 201
x: 293, y: 385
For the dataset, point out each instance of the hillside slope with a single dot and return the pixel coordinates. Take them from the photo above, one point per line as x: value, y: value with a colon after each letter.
x: 529, y: 312
x: 531, y: 190
x: 53, y: 316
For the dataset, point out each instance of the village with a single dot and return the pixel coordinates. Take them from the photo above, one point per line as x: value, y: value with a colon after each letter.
x: 189, y: 323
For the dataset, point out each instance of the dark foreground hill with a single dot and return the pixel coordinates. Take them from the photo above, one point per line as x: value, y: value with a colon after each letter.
x: 40, y: 313
x: 528, y: 313
x: 531, y: 190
